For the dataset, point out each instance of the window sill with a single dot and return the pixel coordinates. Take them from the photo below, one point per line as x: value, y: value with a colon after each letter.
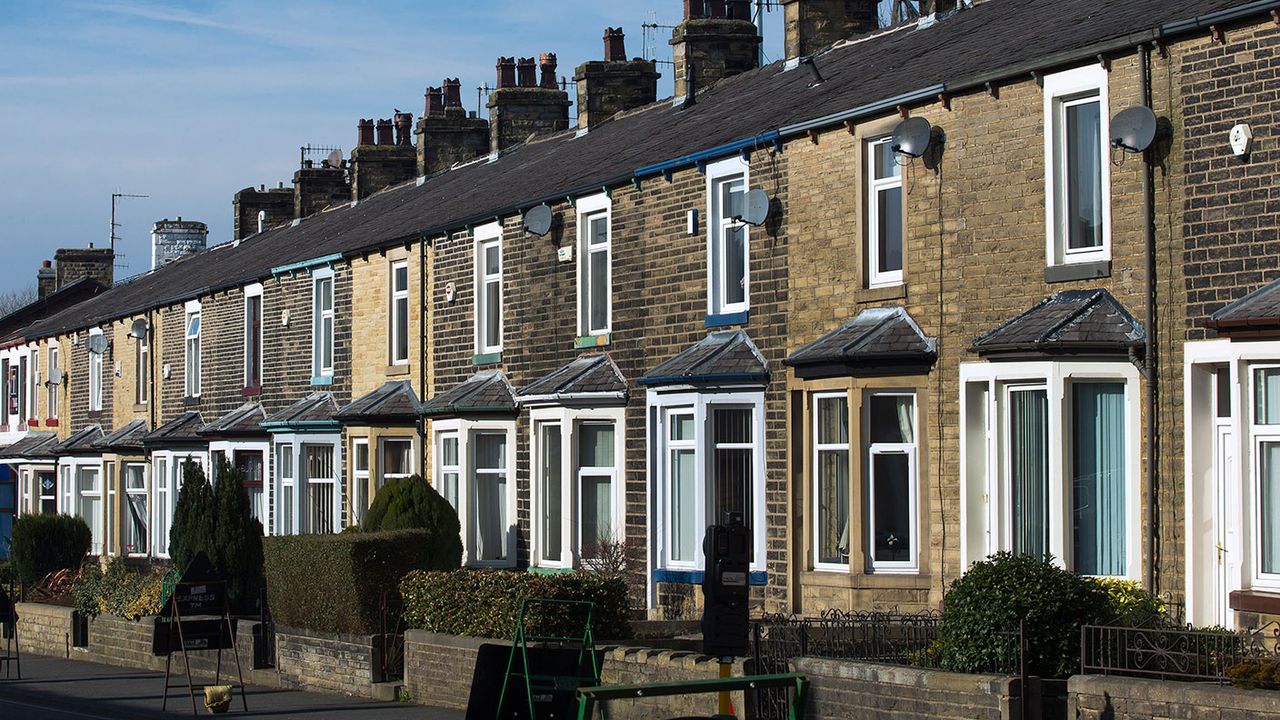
x: 536, y: 570
x: 586, y: 342
x: 882, y: 294
x: 33, y: 422
x: 1077, y: 271
x: 728, y: 319
x: 694, y: 577
x: 1255, y: 601
x: 398, y: 370
x: 51, y: 422
x: 253, y: 391
x: 139, y: 407
x: 492, y: 358
x: 860, y: 580
x: 189, y: 401
x: 97, y: 414
x: 322, y: 381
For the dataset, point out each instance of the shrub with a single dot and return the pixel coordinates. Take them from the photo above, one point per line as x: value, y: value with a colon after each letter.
x: 1131, y: 605
x: 982, y: 610
x: 486, y: 603
x: 120, y: 590
x: 45, y: 543
x: 410, y: 503
x: 193, y: 517
x: 1256, y: 673
x: 237, y: 548
x: 336, y: 583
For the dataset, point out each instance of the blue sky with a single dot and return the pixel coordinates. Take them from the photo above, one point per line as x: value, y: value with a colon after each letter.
x: 190, y: 102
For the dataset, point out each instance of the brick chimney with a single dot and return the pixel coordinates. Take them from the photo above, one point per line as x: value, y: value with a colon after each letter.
x: 71, y: 264
x: 518, y: 110
x: 384, y: 132
x: 364, y: 132
x: 392, y: 161
x: 716, y: 40
x: 46, y: 280
x: 447, y: 134
x: 607, y: 87
x: 812, y: 25
x: 276, y: 206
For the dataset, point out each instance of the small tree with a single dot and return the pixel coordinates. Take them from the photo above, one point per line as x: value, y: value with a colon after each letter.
x: 45, y: 543
x: 411, y: 503
x: 193, y: 518
x: 237, y: 546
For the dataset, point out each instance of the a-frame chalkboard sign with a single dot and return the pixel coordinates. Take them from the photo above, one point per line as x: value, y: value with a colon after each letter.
x: 10, y: 656
x: 196, y: 617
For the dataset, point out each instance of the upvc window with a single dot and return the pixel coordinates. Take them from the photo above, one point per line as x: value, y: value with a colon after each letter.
x: 23, y: 383
x: 321, y: 480
x: 47, y: 487
x: 1099, y: 458
x: 594, y: 266
x: 142, y: 369
x: 359, y: 479
x: 110, y: 510
x: 10, y: 407
x: 287, y: 478
x: 163, y: 508
x: 831, y: 481
x: 1077, y: 162
x: 395, y: 460
x: 133, y: 526
x: 728, y: 256
x: 252, y: 467
x: 448, y: 469
x: 95, y: 378
x: 476, y: 469
x: 490, y: 464
x: 33, y: 395
x: 253, y: 337
x: 89, y: 503
x: 399, y: 313
x: 50, y: 386
x: 549, y: 449
x: 322, y: 327
x: 884, y: 214
x: 193, y: 353
x: 892, y: 487
x: 577, y: 495
x: 1265, y: 488
x: 489, y: 289
x: 682, y: 487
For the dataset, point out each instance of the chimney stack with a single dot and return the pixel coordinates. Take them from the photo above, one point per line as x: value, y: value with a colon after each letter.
x: 812, y: 25
x: 716, y: 40
x: 392, y: 161
x: 46, y: 280
x: 607, y: 87
x: 517, y: 111
x: 384, y: 132
x: 173, y: 239
x: 450, y: 135
x: 276, y: 206
x: 365, y: 132
x: 71, y: 264
x: 435, y: 102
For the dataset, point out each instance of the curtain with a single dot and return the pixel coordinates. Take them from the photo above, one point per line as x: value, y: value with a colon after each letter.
x: 1098, y: 478
x: 1029, y: 470
x: 491, y: 490
x: 1269, y: 507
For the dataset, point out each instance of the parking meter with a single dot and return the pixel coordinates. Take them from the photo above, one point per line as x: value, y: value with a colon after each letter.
x: 725, y: 588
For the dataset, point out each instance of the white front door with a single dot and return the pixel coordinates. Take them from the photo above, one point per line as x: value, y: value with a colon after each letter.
x: 1226, y: 539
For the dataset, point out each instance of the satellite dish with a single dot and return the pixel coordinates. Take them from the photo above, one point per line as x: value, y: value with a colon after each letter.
x: 911, y: 137
x: 756, y: 207
x: 97, y: 344
x: 334, y: 160
x: 1133, y: 129
x: 537, y: 220
x: 55, y: 376
x: 138, y: 330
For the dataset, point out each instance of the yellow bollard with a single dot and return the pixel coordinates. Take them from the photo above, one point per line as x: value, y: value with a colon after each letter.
x: 726, y: 705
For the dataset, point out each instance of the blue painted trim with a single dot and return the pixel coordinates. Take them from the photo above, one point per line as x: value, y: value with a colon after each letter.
x: 322, y: 381
x: 486, y: 358
x: 703, y: 156
x: 762, y: 378
x: 694, y: 577
x: 306, y: 264
x: 727, y: 319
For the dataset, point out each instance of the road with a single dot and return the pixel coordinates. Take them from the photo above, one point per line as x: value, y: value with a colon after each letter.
x: 58, y: 689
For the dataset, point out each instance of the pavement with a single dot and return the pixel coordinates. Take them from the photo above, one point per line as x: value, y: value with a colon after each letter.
x: 58, y: 689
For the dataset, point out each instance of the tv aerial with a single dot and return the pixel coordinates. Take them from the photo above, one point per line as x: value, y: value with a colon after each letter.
x: 911, y: 137
x: 537, y: 220
x: 1133, y: 129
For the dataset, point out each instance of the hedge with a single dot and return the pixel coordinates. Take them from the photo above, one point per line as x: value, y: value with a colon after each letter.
x: 411, y: 502
x: 45, y: 543
x: 486, y: 603
x: 335, y: 583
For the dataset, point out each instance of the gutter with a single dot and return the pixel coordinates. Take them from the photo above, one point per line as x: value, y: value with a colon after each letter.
x: 703, y: 379
x: 702, y: 156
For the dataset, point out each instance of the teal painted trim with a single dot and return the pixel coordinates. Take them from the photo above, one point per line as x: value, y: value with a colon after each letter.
x: 694, y: 577
x: 728, y: 319
x: 585, y: 342
x: 305, y: 264
x: 322, y: 381
x: 486, y: 358
x: 549, y: 571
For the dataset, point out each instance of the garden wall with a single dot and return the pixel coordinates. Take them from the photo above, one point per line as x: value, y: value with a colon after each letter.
x: 44, y: 629
x: 321, y: 662
x: 1091, y: 697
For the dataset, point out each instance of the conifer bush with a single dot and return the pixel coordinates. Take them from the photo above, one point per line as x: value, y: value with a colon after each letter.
x: 220, y: 522
x: 412, y: 504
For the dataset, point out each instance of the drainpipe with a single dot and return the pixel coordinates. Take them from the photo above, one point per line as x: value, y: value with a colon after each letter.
x: 1150, y: 371
x: 422, y: 353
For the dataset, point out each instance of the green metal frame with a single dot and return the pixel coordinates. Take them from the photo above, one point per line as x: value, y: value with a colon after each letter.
x: 590, y: 696
x: 520, y: 643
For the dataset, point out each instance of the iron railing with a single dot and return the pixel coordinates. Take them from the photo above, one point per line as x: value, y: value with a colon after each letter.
x: 1173, y: 652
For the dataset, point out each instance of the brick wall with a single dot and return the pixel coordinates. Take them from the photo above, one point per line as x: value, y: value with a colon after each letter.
x: 44, y: 629
x: 1093, y: 697
x: 77, y: 382
x: 319, y: 662
x: 370, y: 321
x: 841, y: 689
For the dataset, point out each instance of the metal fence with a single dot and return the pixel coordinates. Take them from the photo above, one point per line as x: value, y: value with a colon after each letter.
x: 1174, y: 652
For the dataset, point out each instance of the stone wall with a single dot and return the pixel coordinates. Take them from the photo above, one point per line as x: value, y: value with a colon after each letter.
x: 1096, y: 697
x: 320, y: 662
x: 44, y: 629
x: 843, y: 689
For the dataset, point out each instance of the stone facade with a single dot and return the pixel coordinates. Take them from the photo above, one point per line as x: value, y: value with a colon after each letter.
x: 713, y: 49
x: 815, y: 24
x: 1095, y: 697
x: 841, y: 689
x: 72, y: 264
x: 275, y: 204
x: 319, y: 662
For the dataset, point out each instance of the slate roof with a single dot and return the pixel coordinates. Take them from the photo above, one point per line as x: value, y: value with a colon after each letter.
x: 72, y: 293
x: 182, y: 430
x: 1068, y: 322
x: 245, y: 420
x: 484, y: 392
x: 591, y: 377
x: 723, y: 356
x: 80, y: 442
x: 316, y: 408
x: 32, y: 445
x: 876, y: 340
x: 394, y: 402
x: 125, y: 438
x: 1254, y: 314
x: 991, y: 41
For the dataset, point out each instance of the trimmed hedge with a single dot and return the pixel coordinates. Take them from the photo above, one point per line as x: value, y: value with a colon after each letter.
x: 486, y: 603
x: 411, y: 502
x: 335, y: 583
x: 45, y: 543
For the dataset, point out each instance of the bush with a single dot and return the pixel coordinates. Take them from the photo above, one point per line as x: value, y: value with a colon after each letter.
x: 486, y: 603
x: 336, y: 583
x: 193, y: 518
x: 982, y: 610
x: 119, y: 590
x: 1256, y: 673
x: 411, y: 503
x: 220, y: 522
x: 1131, y: 605
x: 45, y: 543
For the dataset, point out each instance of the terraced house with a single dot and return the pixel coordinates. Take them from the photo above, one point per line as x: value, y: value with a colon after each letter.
x: 908, y: 297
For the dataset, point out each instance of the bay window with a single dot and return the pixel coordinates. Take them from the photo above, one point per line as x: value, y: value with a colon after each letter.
x: 133, y: 526
x: 396, y: 460
x: 476, y: 470
x: 320, y: 480
x: 89, y: 503
x: 892, y: 488
x: 287, y: 480
x: 489, y: 488
x: 448, y: 469
x: 359, y: 479
x: 577, y: 492
x: 831, y: 480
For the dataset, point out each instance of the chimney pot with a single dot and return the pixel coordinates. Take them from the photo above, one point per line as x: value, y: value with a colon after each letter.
x: 366, y: 132
x: 548, y: 63
x: 527, y: 72
x: 506, y: 72
x: 384, y: 132
x: 404, y: 126
x: 452, y: 93
x: 715, y: 8
x: 435, y: 102
x: 739, y: 9
x: 47, y: 264
x: 695, y: 9
x: 615, y: 48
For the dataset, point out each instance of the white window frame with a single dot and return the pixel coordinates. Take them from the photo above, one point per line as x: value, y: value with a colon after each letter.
x: 33, y: 395
x: 251, y: 292
x: 718, y: 174
x: 1258, y: 434
x: 322, y: 322
x: 142, y: 369
x: 230, y: 451
x: 816, y: 448
x: 193, y: 361
x: 280, y: 481
x: 589, y: 209
x: 487, y: 236
x: 441, y: 469
x: 986, y: 515
x: 1061, y: 90
x: 96, y: 362
x: 52, y: 399
x: 166, y: 482
x: 466, y: 430
x: 360, y: 498
x: 69, y: 469
x: 127, y: 515
x: 383, y: 475
x: 911, y: 450
x: 875, y: 278
x: 297, y: 444
x: 570, y: 420
x: 399, y: 305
